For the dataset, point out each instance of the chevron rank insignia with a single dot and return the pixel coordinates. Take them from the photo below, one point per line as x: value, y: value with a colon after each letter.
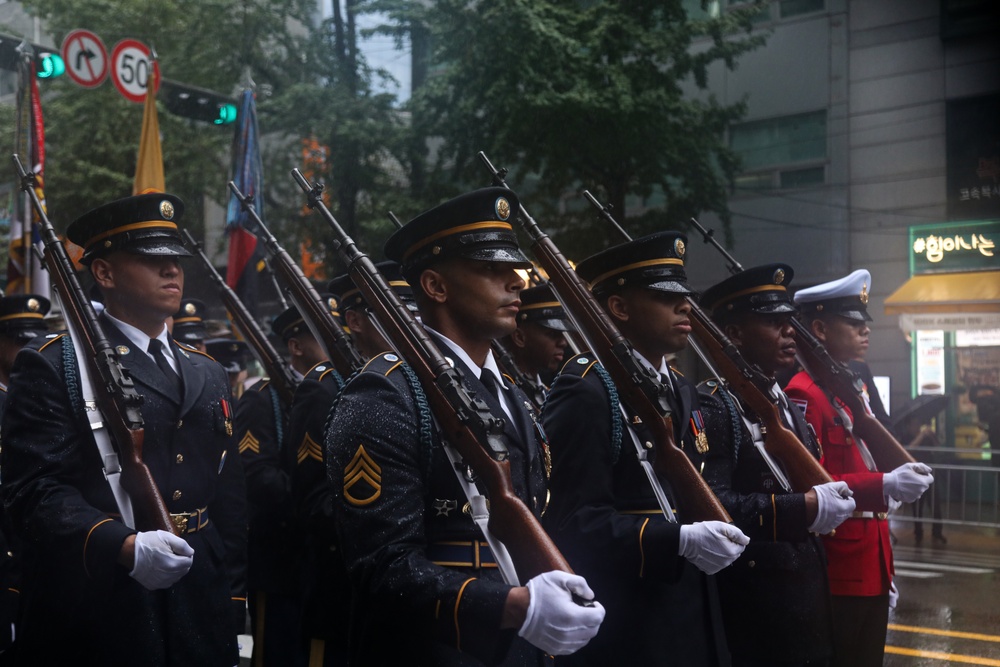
x: 362, y: 479
x: 249, y: 443
x: 310, y: 449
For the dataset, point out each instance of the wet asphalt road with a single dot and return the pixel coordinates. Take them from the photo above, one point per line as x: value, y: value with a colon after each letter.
x: 949, y: 607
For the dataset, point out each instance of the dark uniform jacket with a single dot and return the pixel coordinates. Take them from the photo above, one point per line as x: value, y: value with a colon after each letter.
x: 79, y: 605
x: 775, y: 597
x: 261, y: 425
x: 322, y: 577
x: 411, y: 551
x: 10, y: 579
x: 661, y: 610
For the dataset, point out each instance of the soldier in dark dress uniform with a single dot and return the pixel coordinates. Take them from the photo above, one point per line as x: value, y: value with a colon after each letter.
x: 783, y: 570
x: 426, y: 587
x: 325, y: 590
x: 662, y: 608
x: 538, y: 344
x: 96, y: 591
x: 21, y: 321
x: 275, y: 542
x: 189, y: 324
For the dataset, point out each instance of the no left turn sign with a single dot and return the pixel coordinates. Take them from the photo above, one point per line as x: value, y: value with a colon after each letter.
x: 86, y: 58
x: 131, y: 70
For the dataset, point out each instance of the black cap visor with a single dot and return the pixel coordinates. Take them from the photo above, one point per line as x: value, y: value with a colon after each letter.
x: 504, y: 255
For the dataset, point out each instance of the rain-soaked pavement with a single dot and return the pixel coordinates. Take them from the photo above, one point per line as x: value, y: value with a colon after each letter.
x: 949, y: 598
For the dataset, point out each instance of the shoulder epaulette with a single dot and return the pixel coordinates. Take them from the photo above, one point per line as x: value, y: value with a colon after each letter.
x: 579, y: 364
x: 384, y: 363
x: 188, y: 348
x: 710, y: 387
x: 52, y: 340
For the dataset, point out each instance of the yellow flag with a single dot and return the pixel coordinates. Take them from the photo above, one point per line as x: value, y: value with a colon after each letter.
x: 149, y: 167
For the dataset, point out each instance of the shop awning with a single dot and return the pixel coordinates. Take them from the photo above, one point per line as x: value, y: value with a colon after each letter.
x: 971, y: 292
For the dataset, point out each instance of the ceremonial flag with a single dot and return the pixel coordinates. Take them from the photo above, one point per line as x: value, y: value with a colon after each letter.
x: 245, y: 261
x: 149, y: 166
x: 25, y: 273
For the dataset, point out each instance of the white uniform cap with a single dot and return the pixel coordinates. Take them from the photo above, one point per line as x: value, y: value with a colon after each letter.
x: 847, y: 297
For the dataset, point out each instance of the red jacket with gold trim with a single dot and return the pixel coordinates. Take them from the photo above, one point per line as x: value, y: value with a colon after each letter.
x: 859, y: 551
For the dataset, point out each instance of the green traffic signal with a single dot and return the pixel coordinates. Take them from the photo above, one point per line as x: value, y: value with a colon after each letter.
x: 227, y: 114
x: 50, y: 66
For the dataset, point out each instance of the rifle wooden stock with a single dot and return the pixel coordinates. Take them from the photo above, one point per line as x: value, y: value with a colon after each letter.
x: 837, y: 379
x: 278, y: 372
x: 641, y: 391
x: 339, y: 348
x: 801, y: 468
x: 114, y: 391
x: 465, y: 421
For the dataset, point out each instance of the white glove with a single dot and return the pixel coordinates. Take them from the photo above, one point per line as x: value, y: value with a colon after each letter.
x: 907, y: 482
x: 834, y: 505
x: 554, y: 622
x: 892, y: 504
x: 893, y: 594
x: 161, y: 559
x: 712, y: 545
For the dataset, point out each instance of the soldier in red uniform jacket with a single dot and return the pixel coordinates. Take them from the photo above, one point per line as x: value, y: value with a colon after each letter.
x: 859, y: 552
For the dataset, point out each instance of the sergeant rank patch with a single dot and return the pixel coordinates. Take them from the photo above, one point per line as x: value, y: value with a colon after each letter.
x: 249, y: 443
x: 310, y: 449
x: 362, y: 479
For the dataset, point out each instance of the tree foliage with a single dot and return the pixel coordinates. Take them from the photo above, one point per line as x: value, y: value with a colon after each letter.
x: 574, y: 94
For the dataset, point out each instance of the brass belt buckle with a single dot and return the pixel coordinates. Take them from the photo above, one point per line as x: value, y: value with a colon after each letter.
x: 180, y: 523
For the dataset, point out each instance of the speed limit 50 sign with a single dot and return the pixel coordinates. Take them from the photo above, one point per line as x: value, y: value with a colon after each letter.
x: 132, y: 69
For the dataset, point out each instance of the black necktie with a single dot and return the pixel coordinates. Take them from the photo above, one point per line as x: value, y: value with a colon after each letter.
x: 491, y: 383
x: 156, y: 349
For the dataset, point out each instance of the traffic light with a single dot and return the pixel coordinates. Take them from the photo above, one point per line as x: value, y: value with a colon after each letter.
x: 196, y: 103
x: 48, y: 63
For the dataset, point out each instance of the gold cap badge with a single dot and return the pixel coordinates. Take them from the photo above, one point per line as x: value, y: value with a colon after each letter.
x: 502, y: 208
x: 679, y: 247
x: 779, y: 276
x: 864, y: 294
x: 166, y: 210
x: 189, y: 309
x: 33, y: 305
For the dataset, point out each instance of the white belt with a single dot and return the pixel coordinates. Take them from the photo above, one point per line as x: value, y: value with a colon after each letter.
x: 870, y: 515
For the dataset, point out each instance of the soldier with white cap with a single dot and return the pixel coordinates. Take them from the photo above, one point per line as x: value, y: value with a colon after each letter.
x: 859, y: 553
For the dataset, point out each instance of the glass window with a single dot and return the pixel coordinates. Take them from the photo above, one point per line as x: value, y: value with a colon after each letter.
x: 796, y: 7
x: 800, y: 178
x: 778, y: 141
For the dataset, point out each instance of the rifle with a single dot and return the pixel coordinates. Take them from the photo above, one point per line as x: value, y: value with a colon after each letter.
x: 837, y: 379
x: 278, y: 371
x: 339, y: 348
x: 466, y: 422
x: 750, y: 384
x: 114, y: 391
x: 638, y: 387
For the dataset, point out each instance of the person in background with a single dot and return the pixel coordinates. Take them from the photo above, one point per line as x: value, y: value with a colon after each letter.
x: 189, y: 324
x: 22, y: 320
x: 859, y: 553
x: 232, y: 354
x: 276, y: 546
x: 538, y: 344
